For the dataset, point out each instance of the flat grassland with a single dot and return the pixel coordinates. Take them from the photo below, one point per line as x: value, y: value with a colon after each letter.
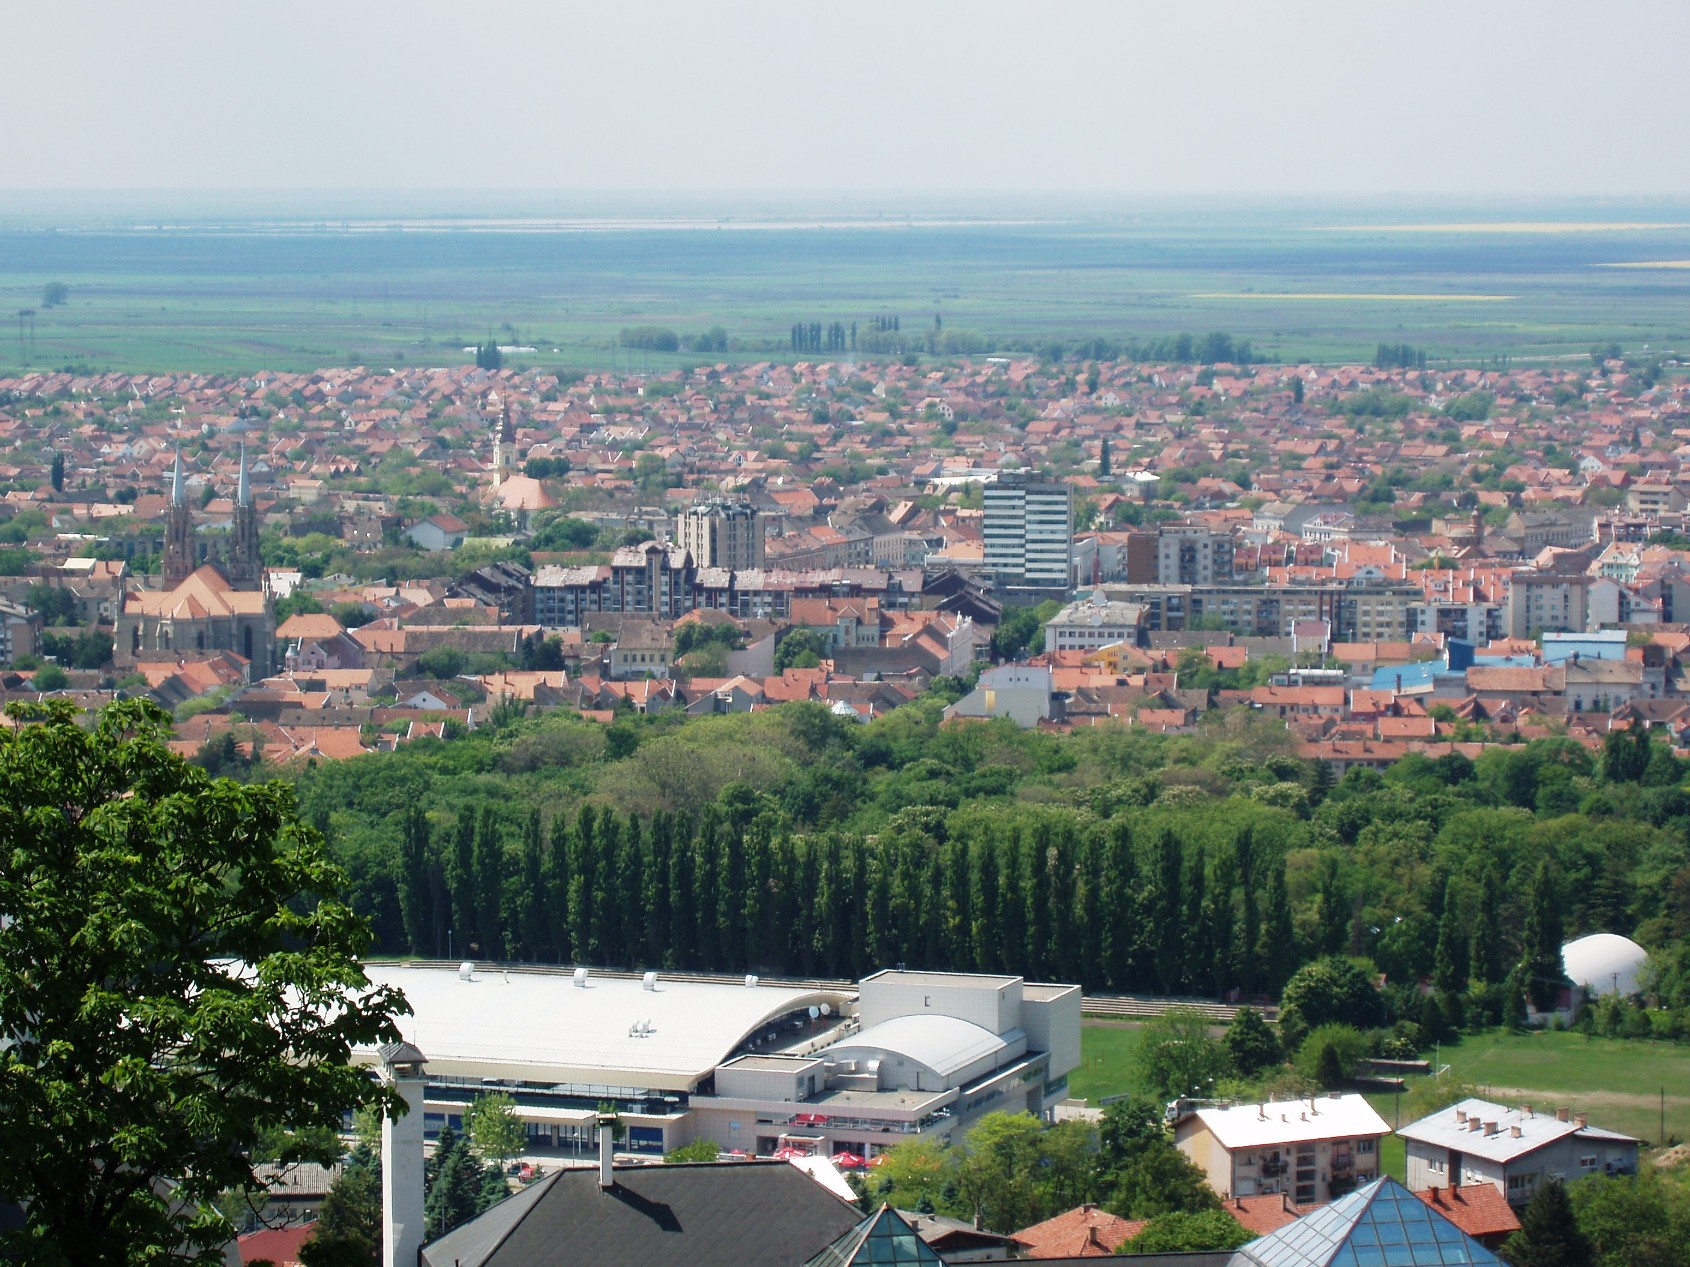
x: 294, y: 294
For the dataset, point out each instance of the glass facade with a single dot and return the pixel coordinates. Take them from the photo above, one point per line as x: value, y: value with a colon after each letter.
x: 882, y: 1238
x: 1381, y: 1225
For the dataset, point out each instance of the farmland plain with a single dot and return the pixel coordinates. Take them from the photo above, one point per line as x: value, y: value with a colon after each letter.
x: 239, y: 286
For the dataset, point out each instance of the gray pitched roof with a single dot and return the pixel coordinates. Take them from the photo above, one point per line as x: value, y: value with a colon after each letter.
x: 725, y: 1214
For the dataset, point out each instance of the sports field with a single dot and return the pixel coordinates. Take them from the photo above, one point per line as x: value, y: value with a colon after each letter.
x: 248, y: 287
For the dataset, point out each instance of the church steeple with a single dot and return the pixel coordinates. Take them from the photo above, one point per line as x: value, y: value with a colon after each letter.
x: 181, y: 553
x: 504, y: 442
x: 245, y: 565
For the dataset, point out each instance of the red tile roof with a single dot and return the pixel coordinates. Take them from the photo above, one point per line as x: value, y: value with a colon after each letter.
x: 1083, y: 1232
x: 1260, y: 1215
x: 1477, y: 1209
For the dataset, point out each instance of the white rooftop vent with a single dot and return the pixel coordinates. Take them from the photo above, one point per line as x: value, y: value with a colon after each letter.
x: 827, y: 1009
x: 751, y: 979
x: 649, y: 981
x: 466, y: 971
x: 581, y: 978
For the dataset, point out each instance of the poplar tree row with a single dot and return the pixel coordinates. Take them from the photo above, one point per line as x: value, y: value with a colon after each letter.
x: 731, y: 890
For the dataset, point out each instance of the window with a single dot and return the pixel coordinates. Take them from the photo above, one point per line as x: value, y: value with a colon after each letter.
x: 1436, y: 1165
x: 1587, y: 1162
x: 1365, y: 1146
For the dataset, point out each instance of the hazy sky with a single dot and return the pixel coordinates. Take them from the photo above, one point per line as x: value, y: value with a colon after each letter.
x: 1285, y: 96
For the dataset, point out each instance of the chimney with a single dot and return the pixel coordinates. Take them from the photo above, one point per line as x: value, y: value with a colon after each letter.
x: 1461, y: 1116
x: 1583, y: 1119
x: 1527, y: 1110
x: 402, y: 1158
x: 1473, y: 1123
x: 1490, y: 1128
x: 1514, y: 1131
x: 1563, y: 1115
x: 607, y: 1153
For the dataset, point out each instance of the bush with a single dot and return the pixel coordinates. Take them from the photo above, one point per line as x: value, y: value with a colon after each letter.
x: 1186, y: 1232
x: 1332, y: 990
x: 1330, y: 1054
x: 50, y: 677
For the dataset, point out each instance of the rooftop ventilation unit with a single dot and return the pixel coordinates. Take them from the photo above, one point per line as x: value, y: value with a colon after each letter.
x: 580, y: 978
x: 466, y: 971
x: 751, y: 980
x: 649, y: 981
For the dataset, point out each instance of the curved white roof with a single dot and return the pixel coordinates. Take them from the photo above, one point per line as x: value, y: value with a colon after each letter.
x: 1604, y: 962
x: 943, y: 1044
x: 541, y: 1027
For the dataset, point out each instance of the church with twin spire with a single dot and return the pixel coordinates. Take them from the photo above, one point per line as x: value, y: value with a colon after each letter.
x: 210, y: 600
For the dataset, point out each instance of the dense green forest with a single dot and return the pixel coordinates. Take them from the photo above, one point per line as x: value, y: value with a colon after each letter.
x: 794, y: 842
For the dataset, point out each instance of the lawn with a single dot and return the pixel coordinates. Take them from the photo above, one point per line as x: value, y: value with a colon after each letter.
x: 1106, y: 1050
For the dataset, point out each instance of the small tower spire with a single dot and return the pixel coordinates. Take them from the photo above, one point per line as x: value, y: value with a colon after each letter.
x: 178, y: 496
x: 243, y: 495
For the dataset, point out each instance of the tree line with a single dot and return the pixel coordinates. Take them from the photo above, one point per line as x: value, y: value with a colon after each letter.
x: 733, y: 889
x: 813, y: 336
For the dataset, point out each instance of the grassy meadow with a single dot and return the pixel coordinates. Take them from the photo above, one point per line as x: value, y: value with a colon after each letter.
x: 246, y: 293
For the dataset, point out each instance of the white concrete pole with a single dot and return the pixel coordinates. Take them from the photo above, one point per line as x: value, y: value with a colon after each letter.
x: 402, y: 1165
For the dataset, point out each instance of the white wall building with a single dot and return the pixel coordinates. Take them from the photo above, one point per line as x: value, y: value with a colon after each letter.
x: 1512, y: 1149
x: 1312, y: 1150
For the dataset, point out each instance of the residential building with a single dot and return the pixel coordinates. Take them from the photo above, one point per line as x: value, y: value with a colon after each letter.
x: 1029, y: 531
x: 1548, y: 602
x: 1193, y: 556
x: 1095, y: 622
x: 1315, y: 1150
x: 438, y: 532
x: 721, y: 534
x: 1378, y: 613
x: 1021, y: 692
x: 20, y: 632
x: 1514, y: 1150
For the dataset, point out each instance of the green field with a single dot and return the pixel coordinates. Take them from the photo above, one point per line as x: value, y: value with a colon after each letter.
x: 297, y: 294
x: 1106, y: 1050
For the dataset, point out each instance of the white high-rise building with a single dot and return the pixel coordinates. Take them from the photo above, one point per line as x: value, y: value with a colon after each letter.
x: 1029, y: 531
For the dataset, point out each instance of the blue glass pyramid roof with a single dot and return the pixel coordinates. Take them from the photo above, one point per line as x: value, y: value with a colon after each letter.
x: 1380, y: 1225
x: 883, y: 1239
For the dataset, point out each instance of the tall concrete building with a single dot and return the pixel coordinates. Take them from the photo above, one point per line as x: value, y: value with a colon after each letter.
x: 1029, y: 531
x: 721, y: 534
x: 1193, y: 556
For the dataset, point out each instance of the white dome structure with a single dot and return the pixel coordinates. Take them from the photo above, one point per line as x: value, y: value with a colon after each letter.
x: 1606, y: 963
